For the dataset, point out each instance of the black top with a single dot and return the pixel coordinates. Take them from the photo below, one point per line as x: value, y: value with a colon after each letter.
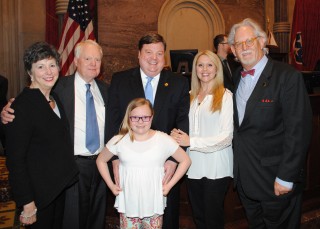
x: 3, y: 102
x: 3, y: 91
x: 39, y: 151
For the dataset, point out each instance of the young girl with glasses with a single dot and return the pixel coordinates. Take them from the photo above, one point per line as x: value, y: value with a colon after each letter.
x: 141, y: 195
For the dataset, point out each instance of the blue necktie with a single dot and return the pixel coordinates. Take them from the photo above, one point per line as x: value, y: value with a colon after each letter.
x: 148, y: 91
x: 92, y: 130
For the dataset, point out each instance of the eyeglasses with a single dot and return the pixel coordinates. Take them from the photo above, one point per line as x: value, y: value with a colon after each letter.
x: 248, y: 42
x: 137, y: 118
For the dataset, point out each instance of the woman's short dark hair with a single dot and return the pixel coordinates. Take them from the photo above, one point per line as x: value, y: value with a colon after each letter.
x: 39, y: 51
x: 151, y: 38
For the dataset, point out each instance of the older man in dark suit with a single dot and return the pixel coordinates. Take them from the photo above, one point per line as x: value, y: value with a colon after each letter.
x: 170, y: 98
x: 272, y: 116
x: 86, y: 200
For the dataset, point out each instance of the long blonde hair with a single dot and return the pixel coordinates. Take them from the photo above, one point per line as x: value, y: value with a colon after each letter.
x: 217, y: 89
x: 125, y: 125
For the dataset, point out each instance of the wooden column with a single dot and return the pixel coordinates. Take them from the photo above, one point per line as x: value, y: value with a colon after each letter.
x: 61, y: 9
x: 281, y: 27
x: 10, y: 60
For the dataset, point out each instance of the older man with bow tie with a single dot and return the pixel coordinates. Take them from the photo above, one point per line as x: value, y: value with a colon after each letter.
x: 272, y: 118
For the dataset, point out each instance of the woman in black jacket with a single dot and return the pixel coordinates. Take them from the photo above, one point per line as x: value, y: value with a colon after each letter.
x: 39, y: 151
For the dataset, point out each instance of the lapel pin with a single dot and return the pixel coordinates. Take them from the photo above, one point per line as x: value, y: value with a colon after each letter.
x: 166, y: 84
x: 264, y: 84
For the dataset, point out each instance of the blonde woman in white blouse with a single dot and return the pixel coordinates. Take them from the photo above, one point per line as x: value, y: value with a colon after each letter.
x: 210, y: 141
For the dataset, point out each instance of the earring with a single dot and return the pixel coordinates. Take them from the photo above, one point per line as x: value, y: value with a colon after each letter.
x: 31, y: 78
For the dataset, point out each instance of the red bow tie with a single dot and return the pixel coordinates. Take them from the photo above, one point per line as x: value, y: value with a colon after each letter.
x: 245, y: 73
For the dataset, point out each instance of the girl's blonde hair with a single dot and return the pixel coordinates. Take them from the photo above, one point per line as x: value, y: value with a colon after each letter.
x: 125, y: 125
x: 217, y: 89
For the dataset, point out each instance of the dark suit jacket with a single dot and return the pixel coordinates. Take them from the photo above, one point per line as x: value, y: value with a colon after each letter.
x: 39, y: 150
x: 3, y: 91
x: 65, y: 90
x: 227, y: 77
x: 3, y: 102
x: 171, y: 104
x: 273, y: 138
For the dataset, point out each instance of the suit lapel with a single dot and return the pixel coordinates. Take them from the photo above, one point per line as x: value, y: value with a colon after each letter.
x: 258, y: 91
x: 161, y: 94
x: 226, y: 70
x: 136, y: 84
x: 103, y: 91
x: 68, y: 98
x: 237, y: 77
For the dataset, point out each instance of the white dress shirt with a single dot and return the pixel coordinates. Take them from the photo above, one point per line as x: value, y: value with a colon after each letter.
x: 211, y: 139
x: 80, y: 115
x: 246, y: 86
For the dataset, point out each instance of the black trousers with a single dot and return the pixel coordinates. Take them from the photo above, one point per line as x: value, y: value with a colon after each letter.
x: 171, y: 212
x: 51, y: 216
x: 85, y: 206
x: 207, y: 201
x: 284, y: 213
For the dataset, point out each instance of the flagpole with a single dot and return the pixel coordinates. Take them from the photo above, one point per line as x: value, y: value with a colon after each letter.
x: 61, y: 9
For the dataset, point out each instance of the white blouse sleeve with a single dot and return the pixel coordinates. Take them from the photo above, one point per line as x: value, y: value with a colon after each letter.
x: 222, y: 140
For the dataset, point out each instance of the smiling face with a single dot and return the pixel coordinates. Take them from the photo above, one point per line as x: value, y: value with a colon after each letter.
x: 89, y: 62
x: 248, y: 56
x: 206, y: 70
x: 44, y: 74
x: 140, y: 127
x: 151, y: 58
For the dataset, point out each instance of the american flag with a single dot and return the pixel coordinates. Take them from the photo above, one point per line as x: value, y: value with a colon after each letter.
x: 77, y: 27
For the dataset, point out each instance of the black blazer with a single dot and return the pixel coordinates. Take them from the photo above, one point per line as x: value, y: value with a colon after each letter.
x: 3, y: 91
x: 65, y: 90
x: 171, y: 104
x: 3, y: 102
x: 227, y: 77
x: 273, y: 138
x: 39, y: 150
